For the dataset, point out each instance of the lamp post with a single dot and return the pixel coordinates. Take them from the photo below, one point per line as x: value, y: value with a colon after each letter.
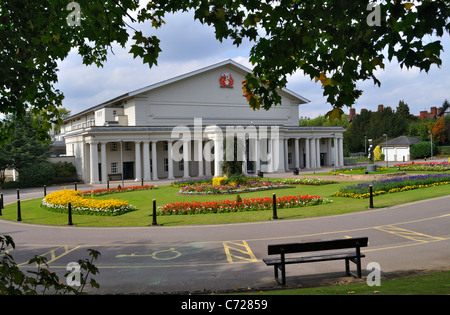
x: 386, y: 156
x: 121, y: 159
x: 365, y: 146
x: 431, y: 145
x: 334, y: 159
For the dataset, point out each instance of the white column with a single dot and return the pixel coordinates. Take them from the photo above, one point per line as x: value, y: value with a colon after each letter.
x: 336, y: 152
x: 286, y: 152
x: 257, y: 157
x: 341, y: 151
x: 207, y: 161
x: 104, y: 166
x: 297, y: 153
x: 270, y: 156
x: 199, y: 145
x: 138, y: 163
x: 313, y: 152
x: 170, y: 159
x: 307, y: 159
x: 146, y: 162
x: 329, y: 154
x: 279, y: 145
x: 154, y: 161
x: 186, y: 147
x: 244, y: 158
x: 318, y: 152
x: 217, y: 158
x: 94, y: 163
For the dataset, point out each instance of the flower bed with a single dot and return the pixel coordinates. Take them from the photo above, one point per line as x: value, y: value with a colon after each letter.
x: 58, y: 202
x: 208, y: 189
x: 306, y: 181
x: 384, y: 186
x: 108, y: 191
x: 225, y: 206
x: 425, y: 166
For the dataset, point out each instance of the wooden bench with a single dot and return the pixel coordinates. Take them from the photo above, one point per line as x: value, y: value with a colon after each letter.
x: 117, y: 176
x: 283, y: 249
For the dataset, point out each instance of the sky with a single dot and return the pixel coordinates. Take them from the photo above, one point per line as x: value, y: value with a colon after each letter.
x: 188, y: 45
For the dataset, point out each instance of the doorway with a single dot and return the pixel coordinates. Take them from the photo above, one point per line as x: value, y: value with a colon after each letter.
x: 128, y: 170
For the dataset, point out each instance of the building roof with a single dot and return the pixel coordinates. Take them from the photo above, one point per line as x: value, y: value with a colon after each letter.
x: 402, y: 140
x: 300, y: 99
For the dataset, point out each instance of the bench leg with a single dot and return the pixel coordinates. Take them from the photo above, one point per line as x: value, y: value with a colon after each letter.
x: 357, y: 262
x: 347, y: 267
x: 283, y: 274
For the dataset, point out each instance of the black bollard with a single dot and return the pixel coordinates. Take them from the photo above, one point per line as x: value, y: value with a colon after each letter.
x: 1, y: 203
x: 107, y: 184
x: 69, y: 206
x: 75, y: 186
x: 19, y: 214
x: 142, y: 181
x: 45, y: 190
x: 274, y: 206
x: 154, y: 213
x: 18, y: 194
x: 371, y: 197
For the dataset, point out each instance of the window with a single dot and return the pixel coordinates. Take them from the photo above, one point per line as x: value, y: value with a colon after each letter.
x: 114, y: 168
x: 113, y: 146
x: 166, y: 146
x: 289, y: 157
x: 166, y: 165
x: 114, y: 113
x: 181, y: 165
x: 128, y: 146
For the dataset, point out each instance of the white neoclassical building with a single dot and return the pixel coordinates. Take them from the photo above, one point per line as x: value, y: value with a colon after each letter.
x: 176, y: 128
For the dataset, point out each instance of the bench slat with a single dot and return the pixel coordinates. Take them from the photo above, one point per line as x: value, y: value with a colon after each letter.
x: 317, y: 246
x: 311, y: 258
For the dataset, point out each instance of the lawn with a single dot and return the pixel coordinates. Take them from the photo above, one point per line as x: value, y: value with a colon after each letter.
x: 427, y: 284
x: 31, y: 211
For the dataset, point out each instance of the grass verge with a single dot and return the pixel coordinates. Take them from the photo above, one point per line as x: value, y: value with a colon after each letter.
x: 31, y: 212
x: 436, y: 283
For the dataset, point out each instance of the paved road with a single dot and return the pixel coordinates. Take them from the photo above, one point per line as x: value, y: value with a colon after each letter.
x: 414, y: 236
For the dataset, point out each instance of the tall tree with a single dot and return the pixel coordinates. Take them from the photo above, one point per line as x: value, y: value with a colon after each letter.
x: 23, y: 149
x: 336, y: 42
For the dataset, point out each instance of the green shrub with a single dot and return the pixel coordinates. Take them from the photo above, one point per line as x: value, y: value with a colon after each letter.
x: 36, y: 175
x: 443, y: 150
x: 422, y: 150
x: 64, y: 169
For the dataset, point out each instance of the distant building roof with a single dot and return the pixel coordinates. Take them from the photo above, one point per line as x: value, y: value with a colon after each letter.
x: 402, y: 140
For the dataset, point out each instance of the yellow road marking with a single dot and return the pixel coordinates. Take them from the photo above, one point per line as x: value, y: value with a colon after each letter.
x: 231, y: 248
x: 52, y: 254
x: 411, y: 235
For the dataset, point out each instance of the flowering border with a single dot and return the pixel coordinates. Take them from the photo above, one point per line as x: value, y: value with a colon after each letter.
x: 385, y: 186
x: 226, y: 206
x: 424, y: 166
x: 108, y: 191
x: 58, y: 202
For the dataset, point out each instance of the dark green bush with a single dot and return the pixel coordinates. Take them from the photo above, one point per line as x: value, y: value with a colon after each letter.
x: 64, y: 169
x: 36, y: 175
x: 422, y: 150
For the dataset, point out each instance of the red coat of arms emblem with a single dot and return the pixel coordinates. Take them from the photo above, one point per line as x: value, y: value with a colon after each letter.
x: 226, y: 80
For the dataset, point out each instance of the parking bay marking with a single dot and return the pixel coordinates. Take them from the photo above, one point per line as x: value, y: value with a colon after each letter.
x: 53, y: 254
x: 411, y: 235
x: 238, y: 252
